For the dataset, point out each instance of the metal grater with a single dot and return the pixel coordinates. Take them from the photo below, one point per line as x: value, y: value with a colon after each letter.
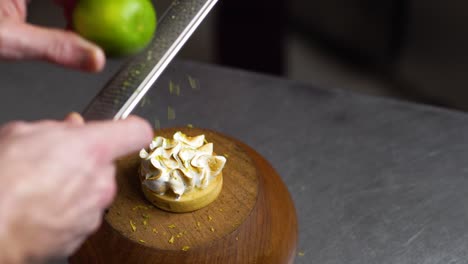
x: 124, y: 91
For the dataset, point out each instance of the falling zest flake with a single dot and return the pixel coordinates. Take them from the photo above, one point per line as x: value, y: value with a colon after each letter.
x: 212, y: 229
x: 145, y: 222
x: 172, y: 226
x: 133, y: 226
x: 174, y: 88
x: 179, y: 235
x: 171, y: 87
x: 301, y: 253
x: 144, y: 101
x: 157, y: 124
x: 193, y: 82
x: 210, y: 218
x: 142, y: 241
x: 149, y: 56
x: 155, y: 231
x: 189, y: 125
x: 171, y: 115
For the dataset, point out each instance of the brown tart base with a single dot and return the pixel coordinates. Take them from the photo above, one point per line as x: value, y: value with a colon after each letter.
x: 190, y: 201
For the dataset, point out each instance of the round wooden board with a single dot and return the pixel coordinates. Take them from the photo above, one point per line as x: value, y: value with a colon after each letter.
x: 159, y: 229
x: 252, y: 221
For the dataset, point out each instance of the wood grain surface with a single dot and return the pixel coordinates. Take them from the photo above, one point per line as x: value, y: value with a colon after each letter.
x: 252, y: 221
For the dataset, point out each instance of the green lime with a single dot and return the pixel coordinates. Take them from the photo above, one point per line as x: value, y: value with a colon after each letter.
x: 120, y: 27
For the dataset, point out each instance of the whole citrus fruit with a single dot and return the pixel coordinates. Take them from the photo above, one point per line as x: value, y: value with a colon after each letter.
x: 120, y: 27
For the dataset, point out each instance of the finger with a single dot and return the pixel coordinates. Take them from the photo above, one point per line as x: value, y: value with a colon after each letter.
x: 105, y: 186
x: 45, y: 125
x: 89, y: 224
x: 74, y: 118
x: 24, y: 41
x: 112, y: 139
x: 15, y: 9
x: 15, y: 128
x: 72, y: 246
x: 22, y: 127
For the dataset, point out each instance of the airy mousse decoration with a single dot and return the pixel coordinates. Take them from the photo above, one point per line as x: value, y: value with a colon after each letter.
x: 180, y: 166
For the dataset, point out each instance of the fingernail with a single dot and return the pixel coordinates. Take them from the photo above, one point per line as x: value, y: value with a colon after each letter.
x: 99, y: 58
x: 93, y: 60
x: 74, y: 118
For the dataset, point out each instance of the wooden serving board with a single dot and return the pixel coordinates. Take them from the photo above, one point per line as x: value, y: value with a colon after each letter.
x: 252, y: 221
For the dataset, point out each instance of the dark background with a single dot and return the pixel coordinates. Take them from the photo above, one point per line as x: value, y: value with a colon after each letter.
x: 415, y: 50
x: 379, y: 181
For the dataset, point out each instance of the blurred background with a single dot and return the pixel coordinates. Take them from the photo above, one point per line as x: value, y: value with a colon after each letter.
x: 410, y: 49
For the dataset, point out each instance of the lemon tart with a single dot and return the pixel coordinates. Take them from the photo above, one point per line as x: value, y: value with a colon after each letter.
x: 181, y: 174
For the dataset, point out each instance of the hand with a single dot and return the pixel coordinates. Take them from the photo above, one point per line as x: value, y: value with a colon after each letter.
x: 20, y: 41
x: 56, y: 179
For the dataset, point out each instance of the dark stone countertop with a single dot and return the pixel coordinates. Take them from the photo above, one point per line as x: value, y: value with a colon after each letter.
x: 373, y: 180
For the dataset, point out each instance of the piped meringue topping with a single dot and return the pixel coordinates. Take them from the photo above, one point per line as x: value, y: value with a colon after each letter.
x: 180, y: 164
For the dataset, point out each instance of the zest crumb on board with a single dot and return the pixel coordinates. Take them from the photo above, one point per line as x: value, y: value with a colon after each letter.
x: 133, y: 226
x: 171, y: 240
x: 140, y: 207
x: 185, y: 248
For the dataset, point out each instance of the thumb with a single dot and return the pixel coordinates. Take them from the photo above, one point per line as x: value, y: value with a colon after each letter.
x: 23, y: 41
x: 113, y: 139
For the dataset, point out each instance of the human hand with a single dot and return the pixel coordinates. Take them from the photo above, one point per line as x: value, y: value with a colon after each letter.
x: 20, y: 40
x: 56, y: 179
